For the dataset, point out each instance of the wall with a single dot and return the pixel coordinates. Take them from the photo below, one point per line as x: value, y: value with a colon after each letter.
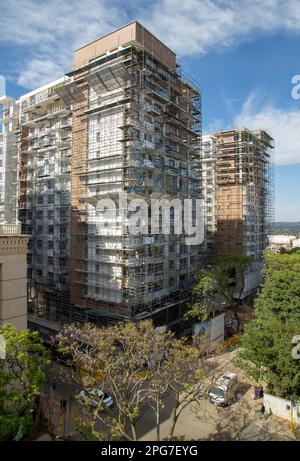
x: 281, y: 407
x: 131, y: 33
x: 213, y: 328
x: 13, y: 280
x: 253, y: 279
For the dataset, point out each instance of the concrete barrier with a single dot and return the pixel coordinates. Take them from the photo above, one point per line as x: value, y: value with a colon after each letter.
x: 284, y: 408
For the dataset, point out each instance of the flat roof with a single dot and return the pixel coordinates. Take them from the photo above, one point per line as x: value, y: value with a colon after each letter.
x: 120, y: 28
x: 44, y: 87
x: 132, y: 33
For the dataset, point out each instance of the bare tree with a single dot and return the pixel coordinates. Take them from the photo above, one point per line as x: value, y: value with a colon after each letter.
x: 137, y: 364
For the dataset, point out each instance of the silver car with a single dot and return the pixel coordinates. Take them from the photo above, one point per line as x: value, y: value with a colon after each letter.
x: 224, y: 390
x: 93, y: 397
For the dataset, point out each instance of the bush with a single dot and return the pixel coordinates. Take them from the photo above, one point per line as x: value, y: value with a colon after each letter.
x: 12, y: 426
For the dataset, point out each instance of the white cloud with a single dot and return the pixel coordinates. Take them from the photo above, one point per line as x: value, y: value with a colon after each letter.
x: 193, y: 26
x: 283, y: 126
x: 47, y: 32
x: 39, y: 72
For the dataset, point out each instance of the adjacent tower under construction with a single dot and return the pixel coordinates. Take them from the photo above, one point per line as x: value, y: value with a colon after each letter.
x: 238, y: 191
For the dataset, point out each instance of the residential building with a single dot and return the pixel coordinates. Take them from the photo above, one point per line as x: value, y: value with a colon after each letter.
x: 238, y: 194
x: 8, y: 160
x: 125, y: 119
x: 136, y: 129
x: 44, y: 197
x: 209, y: 190
x: 13, y: 276
x: 13, y: 245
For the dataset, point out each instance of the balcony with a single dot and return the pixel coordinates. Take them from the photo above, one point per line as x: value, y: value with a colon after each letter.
x: 10, y: 229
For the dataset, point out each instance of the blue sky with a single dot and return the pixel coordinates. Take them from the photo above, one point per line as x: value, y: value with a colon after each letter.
x: 243, y: 54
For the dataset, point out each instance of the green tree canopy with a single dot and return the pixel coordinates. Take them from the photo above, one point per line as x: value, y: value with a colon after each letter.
x: 266, y: 352
x: 21, y: 380
x: 223, y: 279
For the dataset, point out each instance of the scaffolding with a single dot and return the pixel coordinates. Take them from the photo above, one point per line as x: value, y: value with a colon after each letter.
x: 44, y: 192
x: 8, y: 160
x: 137, y: 130
x: 245, y: 199
x: 123, y: 122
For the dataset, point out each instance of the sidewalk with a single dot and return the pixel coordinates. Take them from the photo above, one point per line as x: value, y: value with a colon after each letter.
x: 240, y: 421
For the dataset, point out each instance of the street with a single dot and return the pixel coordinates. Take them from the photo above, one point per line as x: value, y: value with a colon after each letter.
x: 239, y: 421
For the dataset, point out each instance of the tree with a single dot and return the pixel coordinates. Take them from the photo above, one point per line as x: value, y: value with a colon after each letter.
x: 21, y: 379
x: 184, y: 373
x: 223, y: 279
x: 266, y: 352
x: 280, y: 294
x: 137, y: 364
x: 266, y: 355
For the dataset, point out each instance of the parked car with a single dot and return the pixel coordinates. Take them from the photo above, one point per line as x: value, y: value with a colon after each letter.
x: 224, y: 390
x: 93, y: 397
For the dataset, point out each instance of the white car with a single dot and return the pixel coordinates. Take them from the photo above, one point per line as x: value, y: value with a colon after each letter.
x: 224, y: 390
x: 94, y: 396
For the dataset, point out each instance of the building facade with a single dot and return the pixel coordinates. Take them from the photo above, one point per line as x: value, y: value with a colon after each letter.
x: 44, y: 191
x: 136, y: 130
x: 238, y: 195
x: 209, y: 191
x: 13, y: 276
x: 125, y: 121
x: 279, y: 242
x: 8, y: 160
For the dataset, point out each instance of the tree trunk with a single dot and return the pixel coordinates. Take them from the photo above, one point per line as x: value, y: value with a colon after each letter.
x: 157, y: 420
x: 133, y: 431
x: 174, y: 418
x: 173, y: 425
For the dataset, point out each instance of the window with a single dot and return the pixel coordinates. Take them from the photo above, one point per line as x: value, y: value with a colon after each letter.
x: 51, y: 184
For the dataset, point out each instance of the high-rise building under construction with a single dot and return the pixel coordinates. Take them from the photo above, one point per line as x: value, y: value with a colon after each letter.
x: 237, y: 187
x: 124, y: 120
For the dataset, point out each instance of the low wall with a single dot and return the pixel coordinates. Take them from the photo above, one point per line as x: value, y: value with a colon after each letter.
x: 282, y: 407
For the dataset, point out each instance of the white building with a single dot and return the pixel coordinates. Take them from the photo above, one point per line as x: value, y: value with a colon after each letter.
x: 208, y: 176
x: 44, y: 190
x: 281, y: 241
x: 296, y: 243
x: 8, y: 160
